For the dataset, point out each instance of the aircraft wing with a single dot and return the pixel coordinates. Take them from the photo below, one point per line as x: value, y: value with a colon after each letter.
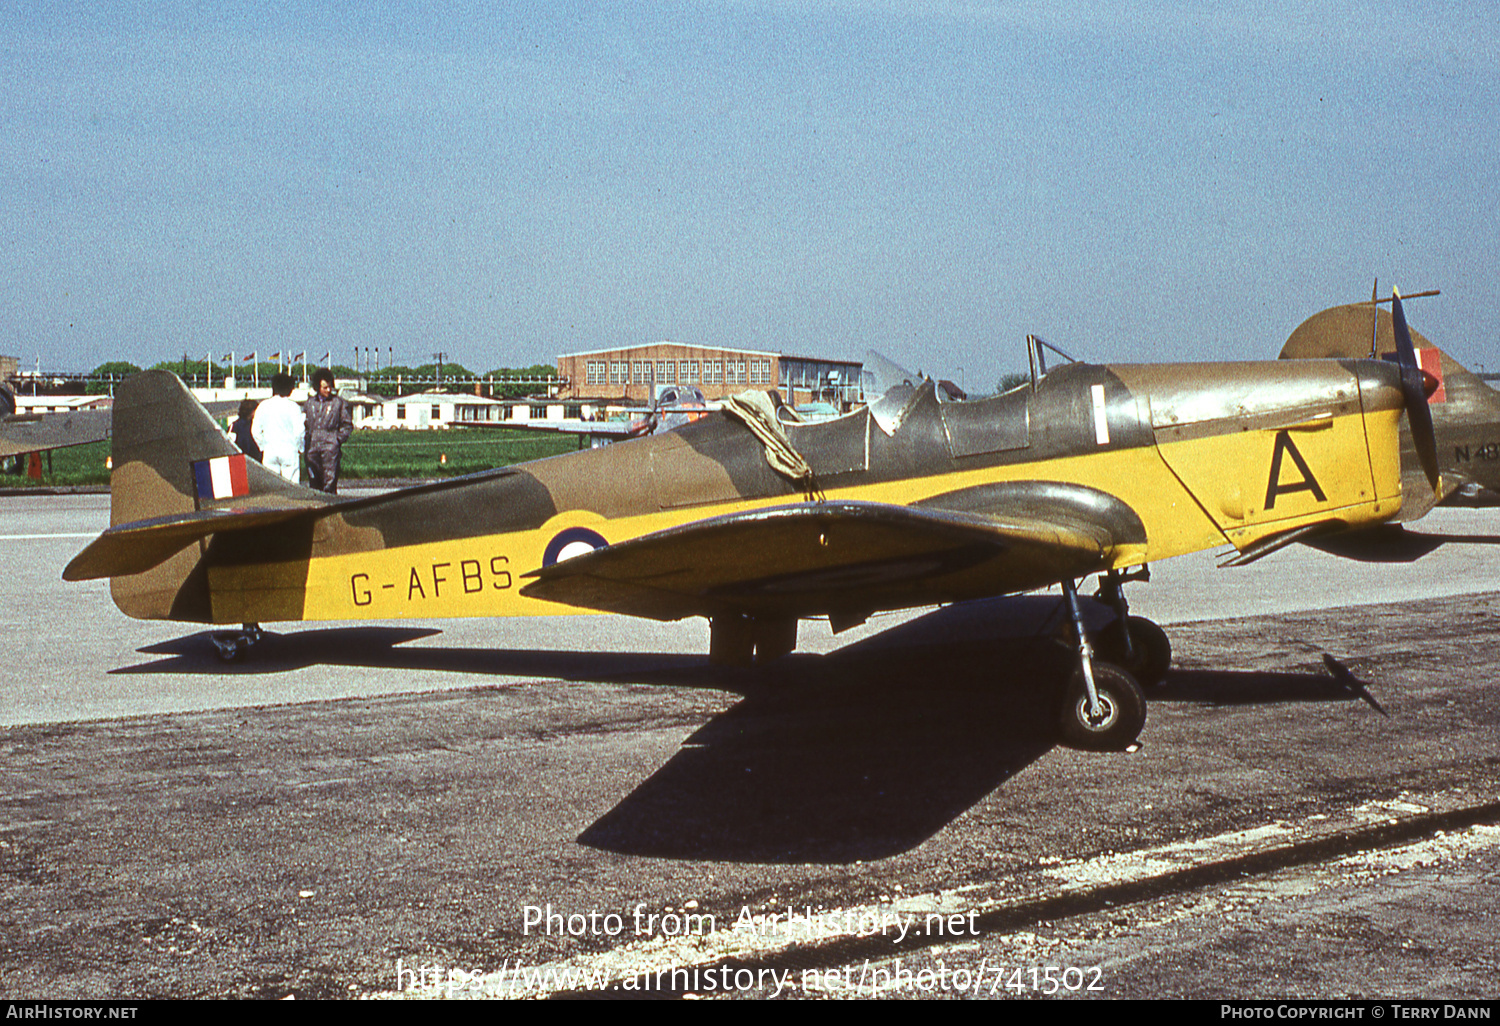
x: 33, y: 432
x: 22, y: 433
x: 594, y: 429
x: 821, y: 558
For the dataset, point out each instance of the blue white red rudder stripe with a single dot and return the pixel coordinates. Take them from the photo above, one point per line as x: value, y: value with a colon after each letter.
x: 222, y: 477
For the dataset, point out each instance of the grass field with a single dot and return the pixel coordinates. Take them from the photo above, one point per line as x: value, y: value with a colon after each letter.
x: 369, y: 454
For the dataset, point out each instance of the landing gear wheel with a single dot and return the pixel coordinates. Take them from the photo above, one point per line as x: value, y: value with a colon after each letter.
x: 774, y: 639
x: 1150, y: 650
x: 1121, y: 713
x: 229, y: 648
x: 731, y: 640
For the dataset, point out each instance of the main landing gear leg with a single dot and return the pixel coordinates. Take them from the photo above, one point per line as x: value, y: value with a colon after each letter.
x: 1103, y: 707
x: 1136, y: 643
x: 736, y: 640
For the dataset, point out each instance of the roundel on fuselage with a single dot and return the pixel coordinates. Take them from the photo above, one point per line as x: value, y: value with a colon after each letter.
x: 575, y: 541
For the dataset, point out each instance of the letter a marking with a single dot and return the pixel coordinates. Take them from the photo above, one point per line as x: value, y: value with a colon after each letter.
x: 1274, y: 487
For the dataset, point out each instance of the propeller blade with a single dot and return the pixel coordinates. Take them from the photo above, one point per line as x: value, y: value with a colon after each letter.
x: 1413, y: 387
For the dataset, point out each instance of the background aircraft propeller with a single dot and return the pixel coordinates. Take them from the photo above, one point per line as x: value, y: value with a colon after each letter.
x: 1414, y: 388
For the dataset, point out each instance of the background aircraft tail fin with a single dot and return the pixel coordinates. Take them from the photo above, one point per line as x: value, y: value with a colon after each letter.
x: 1344, y: 332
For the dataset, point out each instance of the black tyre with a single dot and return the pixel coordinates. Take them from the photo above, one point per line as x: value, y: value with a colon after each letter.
x: 731, y: 640
x: 1150, y: 650
x: 229, y: 649
x: 774, y: 638
x: 1121, y: 716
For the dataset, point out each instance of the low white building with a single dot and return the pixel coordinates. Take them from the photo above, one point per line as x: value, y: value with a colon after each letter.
x: 362, y: 407
x: 427, y: 410
x: 424, y: 410
x: 61, y: 403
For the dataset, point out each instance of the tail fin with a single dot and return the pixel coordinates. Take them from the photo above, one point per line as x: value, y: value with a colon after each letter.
x: 160, y: 433
x: 168, y: 456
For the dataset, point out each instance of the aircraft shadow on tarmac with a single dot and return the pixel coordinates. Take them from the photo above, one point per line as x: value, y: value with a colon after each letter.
x: 859, y: 754
x: 1243, y: 687
x: 1393, y: 543
x: 870, y: 751
x: 377, y: 648
x: 855, y: 755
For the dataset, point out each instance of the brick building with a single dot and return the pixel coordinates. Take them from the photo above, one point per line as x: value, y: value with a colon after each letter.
x: 635, y: 373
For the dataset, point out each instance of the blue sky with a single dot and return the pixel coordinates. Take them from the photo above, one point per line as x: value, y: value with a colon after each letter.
x: 934, y: 180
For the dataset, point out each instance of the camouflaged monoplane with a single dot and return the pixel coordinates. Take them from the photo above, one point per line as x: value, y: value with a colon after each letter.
x: 1465, y: 411
x: 673, y: 407
x: 910, y: 501
x: 24, y: 433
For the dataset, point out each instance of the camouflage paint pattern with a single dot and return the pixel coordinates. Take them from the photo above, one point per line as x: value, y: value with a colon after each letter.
x: 1090, y: 468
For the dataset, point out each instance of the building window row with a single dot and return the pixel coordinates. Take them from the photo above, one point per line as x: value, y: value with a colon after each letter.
x: 671, y: 372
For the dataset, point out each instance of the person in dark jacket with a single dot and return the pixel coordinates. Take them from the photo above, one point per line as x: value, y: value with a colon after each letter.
x: 240, y: 430
x: 329, y: 425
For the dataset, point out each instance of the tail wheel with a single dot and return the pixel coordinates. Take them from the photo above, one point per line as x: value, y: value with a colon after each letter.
x: 1150, y: 650
x: 230, y: 648
x: 1116, y: 724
